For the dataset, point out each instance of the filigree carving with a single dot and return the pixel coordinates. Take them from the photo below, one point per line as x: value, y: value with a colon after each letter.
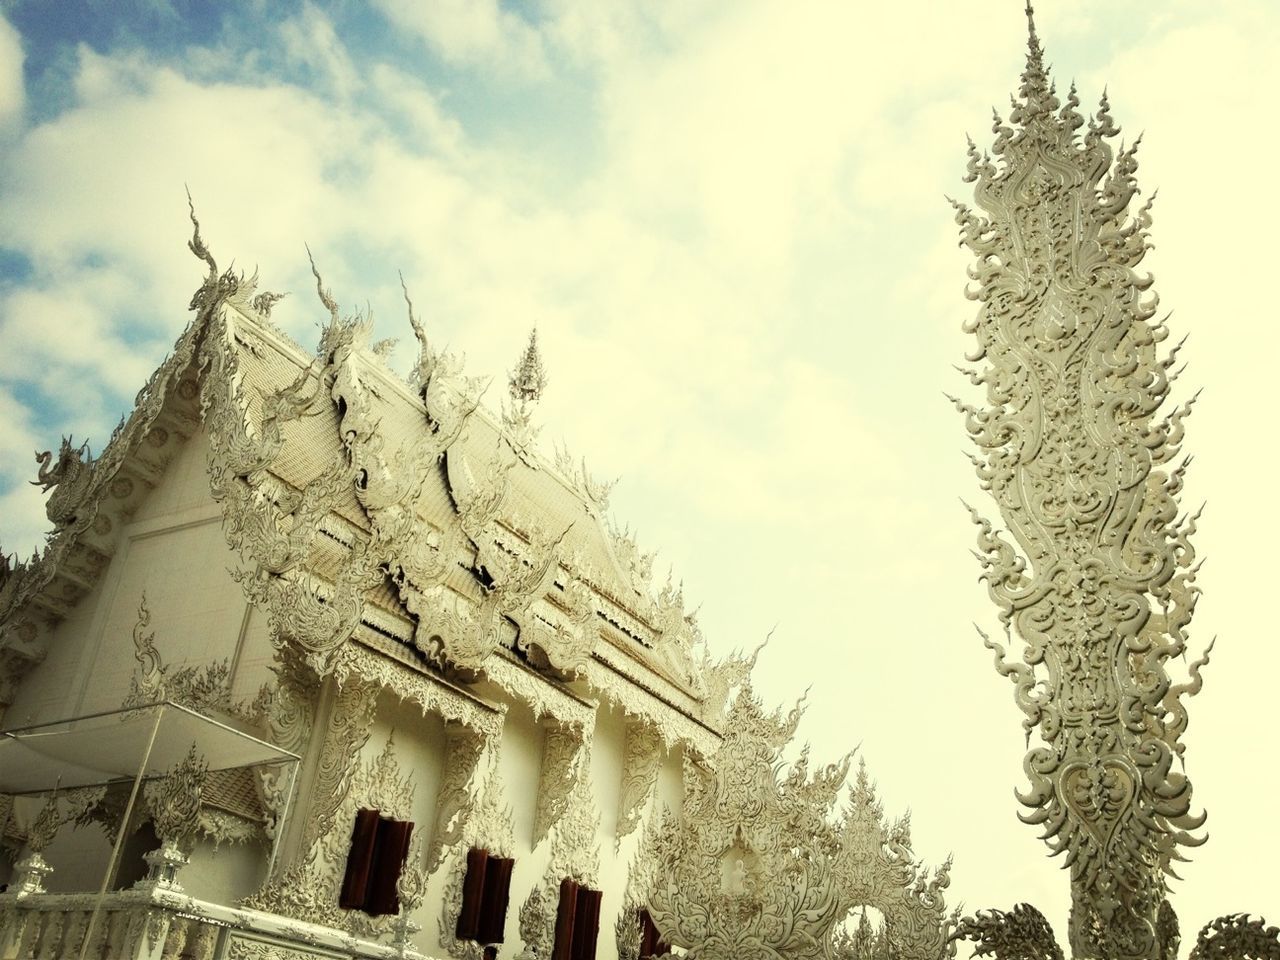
x: 1021, y: 934
x: 525, y: 385
x: 562, y: 641
x: 1099, y: 578
x: 411, y: 887
x: 731, y: 879
x: 428, y: 692
x: 634, y: 563
x: 719, y: 678
x: 46, y: 824
x: 376, y: 785
x: 642, y: 878
x: 448, y: 398
x: 303, y: 890
x: 518, y: 572
x: 174, y: 800
x: 69, y: 478
x: 641, y: 762
x: 464, y: 748
x: 223, y: 827
x: 636, y: 701
x: 276, y: 531
x: 490, y: 828
x: 174, y: 803
x: 876, y: 867
x: 564, y: 751
x: 200, y: 687
x: 1237, y: 937
x: 575, y: 854
x: 594, y: 492
x: 30, y: 868
x: 543, y: 697
x: 241, y: 949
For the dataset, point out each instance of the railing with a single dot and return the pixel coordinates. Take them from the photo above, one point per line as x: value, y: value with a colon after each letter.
x: 159, y: 924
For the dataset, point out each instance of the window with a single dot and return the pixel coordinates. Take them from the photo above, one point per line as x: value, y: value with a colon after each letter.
x: 484, y: 897
x: 651, y: 943
x: 379, y: 847
x: 577, y: 922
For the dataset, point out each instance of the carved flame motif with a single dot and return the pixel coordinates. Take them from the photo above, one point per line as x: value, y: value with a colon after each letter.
x: 729, y: 880
x: 1237, y: 937
x: 876, y: 867
x: 1021, y: 934
x: 174, y: 801
x: 1099, y: 579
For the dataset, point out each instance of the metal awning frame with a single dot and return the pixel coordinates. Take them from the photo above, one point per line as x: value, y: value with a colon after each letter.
x: 160, y: 709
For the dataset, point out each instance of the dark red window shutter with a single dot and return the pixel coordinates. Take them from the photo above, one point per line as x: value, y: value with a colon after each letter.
x: 355, y: 882
x: 586, y: 925
x: 472, y: 894
x: 390, y: 852
x: 648, y: 933
x: 497, y: 890
x: 651, y: 944
x: 565, y: 916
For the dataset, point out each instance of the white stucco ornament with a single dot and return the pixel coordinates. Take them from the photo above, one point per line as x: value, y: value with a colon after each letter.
x: 1096, y: 576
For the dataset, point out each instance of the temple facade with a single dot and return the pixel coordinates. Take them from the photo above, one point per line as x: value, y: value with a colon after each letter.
x: 475, y: 693
x: 322, y: 661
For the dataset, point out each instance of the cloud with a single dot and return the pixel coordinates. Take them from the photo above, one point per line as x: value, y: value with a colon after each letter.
x: 310, y: 41
x: 473, y: 33
x: 12, y: 90
x: 20, y: 503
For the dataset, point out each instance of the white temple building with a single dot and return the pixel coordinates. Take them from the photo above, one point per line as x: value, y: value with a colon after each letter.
x: 320, y: 661
x: 378, y: 577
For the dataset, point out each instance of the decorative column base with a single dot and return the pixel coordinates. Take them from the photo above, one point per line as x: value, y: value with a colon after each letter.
x: 164, y: 863
x: 29, y: 874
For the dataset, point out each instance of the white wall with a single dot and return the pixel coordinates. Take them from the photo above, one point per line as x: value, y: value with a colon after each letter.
x: 173, y: 550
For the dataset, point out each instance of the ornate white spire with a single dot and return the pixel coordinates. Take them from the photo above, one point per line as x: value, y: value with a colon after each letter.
x: 525, y: 385
x: 1096, y: 576
x: 529, y: 379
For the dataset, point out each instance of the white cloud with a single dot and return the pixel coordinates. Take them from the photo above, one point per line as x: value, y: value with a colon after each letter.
x: 21, y: 504
x: 12, y: 89
x: 476, y: 33
x: 310, y: 40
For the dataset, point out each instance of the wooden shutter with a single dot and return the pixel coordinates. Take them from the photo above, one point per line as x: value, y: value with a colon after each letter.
x: 651, y: 937
x: 390, y: 852
x: 355, y: 882
x: 497, y: 890
x: 586, y: 924
x: 565, y: 914
x: 648, y: 935
x: 472, y: 894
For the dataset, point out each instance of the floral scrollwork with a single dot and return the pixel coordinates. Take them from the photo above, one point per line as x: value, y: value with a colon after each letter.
x: 1020, y: 934
x: 1237, y: 936
x: 1096, y: 577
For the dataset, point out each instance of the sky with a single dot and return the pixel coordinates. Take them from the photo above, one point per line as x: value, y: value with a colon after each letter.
x: 727, y: 221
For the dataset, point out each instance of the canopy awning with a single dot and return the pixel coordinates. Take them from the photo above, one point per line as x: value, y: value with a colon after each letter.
x: 113, y: 746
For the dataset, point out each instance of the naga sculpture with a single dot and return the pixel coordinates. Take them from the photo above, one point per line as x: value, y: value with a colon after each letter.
x: 1098, y: 580
x: 68, y: 477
